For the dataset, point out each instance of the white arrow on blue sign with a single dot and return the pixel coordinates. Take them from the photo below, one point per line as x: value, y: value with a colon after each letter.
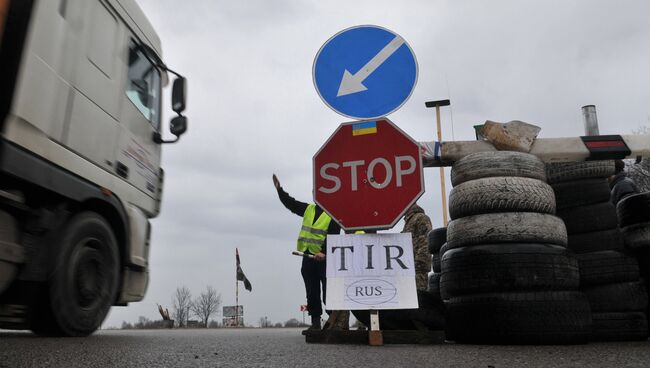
x: 365, y: 72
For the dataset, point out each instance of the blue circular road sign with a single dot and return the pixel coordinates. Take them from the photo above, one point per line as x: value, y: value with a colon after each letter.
x: 365, y: 72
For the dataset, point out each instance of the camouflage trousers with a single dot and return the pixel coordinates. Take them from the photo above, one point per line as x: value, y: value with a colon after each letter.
x: 421, y: 281
x: 338, y: 320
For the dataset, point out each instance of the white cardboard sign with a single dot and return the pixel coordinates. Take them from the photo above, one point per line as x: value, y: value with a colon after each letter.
x: 370, y: 271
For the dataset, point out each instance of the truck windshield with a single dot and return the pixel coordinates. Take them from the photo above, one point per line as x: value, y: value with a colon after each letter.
x: 143, y: 86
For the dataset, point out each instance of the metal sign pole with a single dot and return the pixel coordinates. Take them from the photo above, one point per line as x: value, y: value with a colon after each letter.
x: 443, y: 189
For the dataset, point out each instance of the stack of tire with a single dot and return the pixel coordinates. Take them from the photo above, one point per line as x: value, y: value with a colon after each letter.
x: 436, y: 239
x: 430, y: 314
x: 507, y: 277
x: 609, y: 276
x: 634, y: 219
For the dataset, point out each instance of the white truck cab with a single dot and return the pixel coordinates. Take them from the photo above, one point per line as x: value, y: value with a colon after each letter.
x: 80, y: 144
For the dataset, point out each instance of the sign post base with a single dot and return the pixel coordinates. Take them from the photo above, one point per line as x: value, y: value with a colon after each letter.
x: 375, y: 337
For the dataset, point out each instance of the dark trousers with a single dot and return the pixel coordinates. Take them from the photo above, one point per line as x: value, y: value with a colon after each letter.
x: 313, y: 274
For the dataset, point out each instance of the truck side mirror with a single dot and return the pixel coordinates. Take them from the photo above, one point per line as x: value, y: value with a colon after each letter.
x: 178, y: 125
x: 179, y: 92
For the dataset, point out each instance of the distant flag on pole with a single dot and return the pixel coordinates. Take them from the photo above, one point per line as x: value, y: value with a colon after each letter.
x: 240, y: 274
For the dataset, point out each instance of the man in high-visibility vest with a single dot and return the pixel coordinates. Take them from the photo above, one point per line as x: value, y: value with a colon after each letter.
x: 316, y: 224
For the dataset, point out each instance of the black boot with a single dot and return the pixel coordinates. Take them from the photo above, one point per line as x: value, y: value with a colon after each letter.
x: 315, y: 323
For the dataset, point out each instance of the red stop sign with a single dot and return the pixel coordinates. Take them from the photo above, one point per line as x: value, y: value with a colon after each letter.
x: 368, y: 174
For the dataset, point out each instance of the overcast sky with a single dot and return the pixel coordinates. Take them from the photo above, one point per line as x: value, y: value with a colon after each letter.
x: 253, y: 111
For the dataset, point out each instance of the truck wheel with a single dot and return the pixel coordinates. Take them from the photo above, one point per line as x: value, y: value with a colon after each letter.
x: 84, y: 275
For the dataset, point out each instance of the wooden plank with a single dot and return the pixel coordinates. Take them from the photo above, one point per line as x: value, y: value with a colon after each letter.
x: 360, y: 337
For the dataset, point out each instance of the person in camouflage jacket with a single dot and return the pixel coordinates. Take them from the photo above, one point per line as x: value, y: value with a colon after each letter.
x: 419, y: 224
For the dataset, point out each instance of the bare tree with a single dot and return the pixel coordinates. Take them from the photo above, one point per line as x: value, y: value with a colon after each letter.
x: 293, y: 323
x: 207, y: 304
x: 143, y: 322
x: 265, y: 323
x: 181, y: 302
x: 639, y: 172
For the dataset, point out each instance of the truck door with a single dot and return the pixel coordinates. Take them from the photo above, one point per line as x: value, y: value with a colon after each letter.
x: 94, y: 125
x: 137, y: 156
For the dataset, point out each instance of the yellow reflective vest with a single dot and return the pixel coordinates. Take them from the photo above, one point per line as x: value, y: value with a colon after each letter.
x: 313, y: 233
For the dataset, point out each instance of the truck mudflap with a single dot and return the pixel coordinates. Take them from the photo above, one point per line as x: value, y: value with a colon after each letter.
x: 11, y: 253
x: 17, y: 304
x: 14, y: 316
x: 134, y: 285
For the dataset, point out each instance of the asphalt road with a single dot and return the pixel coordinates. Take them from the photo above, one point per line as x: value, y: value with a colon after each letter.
x: 287, y: 348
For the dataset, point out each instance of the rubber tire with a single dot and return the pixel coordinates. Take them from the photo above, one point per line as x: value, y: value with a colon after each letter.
x: 619, y: 326
x: 435, y: 262
x: 595, y: 217
x: 501, y: 194
x: 624, y: 296
x: 558, y: 317
x: 444, y: 250
x: 508, y: 227
x: 436, y: 238
x: 497, y: 163
x: 581, y: 192
x: 429, y: 316
x: 607, y: 267
x: 634, y: 209
x: 637, y: 236
x: 643, y: 257
x: 568, y: 171
x: 87, y: 237
x: 610, y: 239
x: 434, y: 284
x: 507, y: 268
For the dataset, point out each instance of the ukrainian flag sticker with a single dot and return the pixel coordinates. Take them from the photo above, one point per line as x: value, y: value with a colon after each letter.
x: 369, y: 127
